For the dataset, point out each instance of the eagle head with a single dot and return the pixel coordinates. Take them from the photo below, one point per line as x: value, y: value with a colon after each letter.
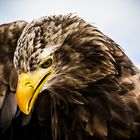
x: 61, y: 54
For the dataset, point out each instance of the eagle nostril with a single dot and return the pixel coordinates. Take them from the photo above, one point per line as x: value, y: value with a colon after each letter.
x: 28, y: 84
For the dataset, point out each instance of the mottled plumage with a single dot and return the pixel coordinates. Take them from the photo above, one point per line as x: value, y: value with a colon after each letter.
x: 92, y: 93
x: 9, y: 34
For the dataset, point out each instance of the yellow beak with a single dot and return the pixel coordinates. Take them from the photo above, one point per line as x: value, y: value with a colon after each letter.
x: 28, y: 88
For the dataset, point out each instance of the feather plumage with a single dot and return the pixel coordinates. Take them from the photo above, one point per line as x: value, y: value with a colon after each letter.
x: 94, y: 92
x: 9, y: 34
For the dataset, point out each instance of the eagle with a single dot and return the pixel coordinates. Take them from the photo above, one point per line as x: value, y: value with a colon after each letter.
x: 63, y: 79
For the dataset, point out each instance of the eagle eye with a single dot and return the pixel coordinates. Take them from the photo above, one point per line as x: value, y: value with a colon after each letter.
x: 46, y: 63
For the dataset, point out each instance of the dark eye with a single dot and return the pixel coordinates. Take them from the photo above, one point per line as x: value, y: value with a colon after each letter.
x: 47, y: 63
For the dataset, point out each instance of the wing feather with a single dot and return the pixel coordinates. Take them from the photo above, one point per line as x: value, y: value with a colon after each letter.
x: 9, y: 34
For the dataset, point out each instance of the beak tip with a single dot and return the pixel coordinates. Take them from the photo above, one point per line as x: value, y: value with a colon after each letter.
x: 25, y: 111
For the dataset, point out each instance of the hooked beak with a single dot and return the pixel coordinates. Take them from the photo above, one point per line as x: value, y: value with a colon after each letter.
x: 28, y: 88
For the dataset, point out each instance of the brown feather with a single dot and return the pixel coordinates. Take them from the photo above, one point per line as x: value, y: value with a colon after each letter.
x: 9, y: 34
x: 94, y: 92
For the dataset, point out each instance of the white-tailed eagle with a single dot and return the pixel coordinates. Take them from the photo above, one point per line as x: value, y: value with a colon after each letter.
x: 63, y: 79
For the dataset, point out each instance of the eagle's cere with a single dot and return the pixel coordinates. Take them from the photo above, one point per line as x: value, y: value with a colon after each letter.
x: 74, y: 82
